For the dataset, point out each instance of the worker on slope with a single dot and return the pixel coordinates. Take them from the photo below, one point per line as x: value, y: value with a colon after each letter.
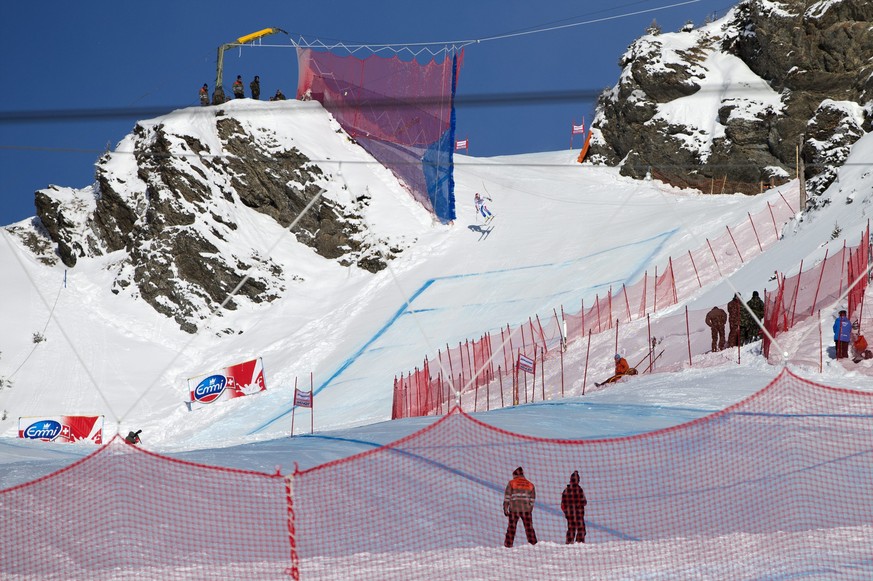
x: 621, y: 369
x: 518, y: 503
x: 716, y: 319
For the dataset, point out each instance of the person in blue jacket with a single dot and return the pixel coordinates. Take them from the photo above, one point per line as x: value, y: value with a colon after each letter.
x: 842, y: 335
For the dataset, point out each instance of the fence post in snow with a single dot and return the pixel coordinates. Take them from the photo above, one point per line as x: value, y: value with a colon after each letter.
x: 688, y: 335
x: 755, y: 230
x: 587, y: 353
x: 824, y: 264
x: 796, y: 292
x: 694, y: 266
x: 626, y: 302
x: 820, y: 345
x: 615, y: 350
x: 649, y: 331
x: 772, y: 217
x: 740, y: 254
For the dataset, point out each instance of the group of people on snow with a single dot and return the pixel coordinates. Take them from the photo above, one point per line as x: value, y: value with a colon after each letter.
x: 239, y: 91
x: 518, y: 504
x: 743, y: 327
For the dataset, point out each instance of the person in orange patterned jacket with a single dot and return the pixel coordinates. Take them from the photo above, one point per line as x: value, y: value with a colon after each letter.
x: 518, y: 503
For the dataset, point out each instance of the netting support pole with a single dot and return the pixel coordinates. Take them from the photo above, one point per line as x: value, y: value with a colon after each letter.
x: 740, y: 254
x: 626, y: 302
x: 796, y: 292
x: 542, y: 334
x: 616, y: 337
x: 458, y: 393
x: 824, y: 264
x: 820, y: 345
x: 786, y: 203
x: 451, y: 367
x: 311, y: 405
x: 562, y: 374
x: 649, y: 331
x: 543, y: 372
x: 694, y: 266
x: 755, y: 230
x: 655, y: 290
x: 842, y: 270
x: 772, y: 217
x: 597, y: 301
x: 587, y: 353
x: 688, y: 335
x: 711, y: 251
x: 609, y: 297
x: 500, y: 378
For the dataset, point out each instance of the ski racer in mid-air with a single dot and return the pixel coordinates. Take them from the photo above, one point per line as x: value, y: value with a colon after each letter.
x: 481, y: 208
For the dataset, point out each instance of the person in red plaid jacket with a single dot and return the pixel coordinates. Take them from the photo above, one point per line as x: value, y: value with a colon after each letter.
x: 573, y: 504
x: 518, y: 503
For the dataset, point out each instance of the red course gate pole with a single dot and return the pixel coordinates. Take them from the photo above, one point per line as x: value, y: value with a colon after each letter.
x: 543, y: 372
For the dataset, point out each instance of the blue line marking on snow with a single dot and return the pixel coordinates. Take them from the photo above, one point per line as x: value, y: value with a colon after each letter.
x: 405, y: 309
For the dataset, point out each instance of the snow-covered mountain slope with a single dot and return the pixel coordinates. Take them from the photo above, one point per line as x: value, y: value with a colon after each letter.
x: 740, y: 99
x: 562, y: 233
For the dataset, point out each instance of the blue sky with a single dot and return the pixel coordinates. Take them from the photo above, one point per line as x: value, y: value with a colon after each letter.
x: 154, y: 56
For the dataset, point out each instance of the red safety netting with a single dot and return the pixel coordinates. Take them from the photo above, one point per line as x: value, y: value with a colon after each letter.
x: 124, y: 513
x: 680, y: 336
x: 791, y: 463
x: 793, y: 458
x: 799, y: 297
x: 400, y: 111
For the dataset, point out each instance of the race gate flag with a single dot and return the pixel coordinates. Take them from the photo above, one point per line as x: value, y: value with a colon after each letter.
x: 579, y: 129
x: 525, y: 363
x: 461, y: 144
x: 61, y: 428
x: 228, y: 383
x: 302, y: 398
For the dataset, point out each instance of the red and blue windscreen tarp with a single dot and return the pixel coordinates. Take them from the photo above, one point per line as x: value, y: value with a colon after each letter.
x: 400, y: 112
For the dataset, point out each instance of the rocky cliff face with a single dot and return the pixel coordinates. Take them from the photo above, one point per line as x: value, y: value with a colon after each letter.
x: 170, y: 206
x: 724, y: 107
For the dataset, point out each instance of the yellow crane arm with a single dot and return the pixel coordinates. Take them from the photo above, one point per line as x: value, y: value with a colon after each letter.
x: 241, y: 40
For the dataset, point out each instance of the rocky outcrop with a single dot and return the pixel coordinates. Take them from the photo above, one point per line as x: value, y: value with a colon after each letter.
x: 683, y: 113
x: 172, y: 216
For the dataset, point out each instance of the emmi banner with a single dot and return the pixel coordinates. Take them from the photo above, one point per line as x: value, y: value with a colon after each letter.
x: 61, y: 428
x: 234, y: 381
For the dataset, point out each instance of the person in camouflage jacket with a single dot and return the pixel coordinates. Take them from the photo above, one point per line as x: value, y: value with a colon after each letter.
x: 518, y: 503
